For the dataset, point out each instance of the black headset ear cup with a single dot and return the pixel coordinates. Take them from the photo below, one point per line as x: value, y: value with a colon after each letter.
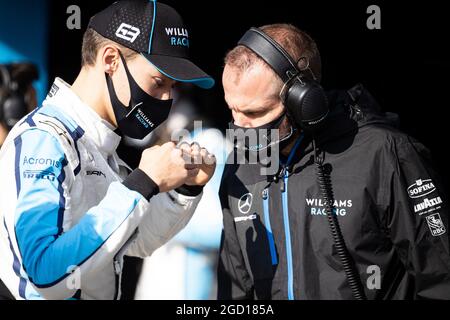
x: 307, y: 103
x: 14, y: 109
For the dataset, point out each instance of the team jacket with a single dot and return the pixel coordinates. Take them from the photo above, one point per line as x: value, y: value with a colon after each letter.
x: 392, y: 211
x: 70, y: 210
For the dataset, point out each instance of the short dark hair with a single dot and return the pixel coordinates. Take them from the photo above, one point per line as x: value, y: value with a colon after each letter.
x: 93, y: 41
x: 22, y: 74
x: 296, y: 42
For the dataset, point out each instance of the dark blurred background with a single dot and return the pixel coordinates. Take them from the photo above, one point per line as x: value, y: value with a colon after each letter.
x: 405, y: 64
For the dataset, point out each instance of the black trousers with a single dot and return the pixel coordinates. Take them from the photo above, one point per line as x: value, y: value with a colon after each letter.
x: 4, y: 292
x: 130, y: 277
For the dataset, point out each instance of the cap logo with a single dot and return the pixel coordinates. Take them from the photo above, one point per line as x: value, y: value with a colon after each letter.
x: 128, y: 32
x: 178, y: 36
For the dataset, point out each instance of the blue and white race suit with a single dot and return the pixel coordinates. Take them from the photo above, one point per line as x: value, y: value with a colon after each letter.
x: 67, y: 213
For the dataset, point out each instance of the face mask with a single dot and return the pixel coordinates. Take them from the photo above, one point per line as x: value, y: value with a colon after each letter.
x: 144, y: 113
x: 264, y: 138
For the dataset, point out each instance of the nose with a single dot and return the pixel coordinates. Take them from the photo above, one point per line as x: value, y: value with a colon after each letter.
x: 167, y: 95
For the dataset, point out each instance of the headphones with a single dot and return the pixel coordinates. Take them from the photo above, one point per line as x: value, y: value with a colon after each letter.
x: 304, y: 98
x: 13, y: 106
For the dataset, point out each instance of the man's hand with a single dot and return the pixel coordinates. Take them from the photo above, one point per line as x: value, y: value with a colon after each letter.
x: 166, y: 167
x: 198, y: 158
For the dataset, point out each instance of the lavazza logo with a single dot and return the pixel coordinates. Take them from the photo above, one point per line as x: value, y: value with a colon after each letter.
x: 128, y: 32
x: 428, y: 204
x: 421, y: 188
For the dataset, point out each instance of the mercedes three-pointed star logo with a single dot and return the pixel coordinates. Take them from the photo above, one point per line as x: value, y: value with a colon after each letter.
x: 245, y: 203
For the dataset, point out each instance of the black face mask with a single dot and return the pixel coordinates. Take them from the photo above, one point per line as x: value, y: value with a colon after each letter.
x: 264, y: 138
x: 144, y: 113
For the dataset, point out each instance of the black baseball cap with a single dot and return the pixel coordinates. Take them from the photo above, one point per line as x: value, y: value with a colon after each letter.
x: 157, y: 32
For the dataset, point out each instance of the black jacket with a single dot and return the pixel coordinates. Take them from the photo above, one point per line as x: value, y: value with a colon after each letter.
x: 390, y: 205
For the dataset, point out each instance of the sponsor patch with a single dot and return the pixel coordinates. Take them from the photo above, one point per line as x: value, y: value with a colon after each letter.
x: 436, y: 225
x: 317, y: 206
x: 178, y: 36
x: 245, y: 203
x: 53, y: 91
x: 428, y: 205
x: 31, y: 161
x: 241, y: 219
x: 128, y: 32
x: 421, y: 188
x: 39, y: 175
x: 95, y: 173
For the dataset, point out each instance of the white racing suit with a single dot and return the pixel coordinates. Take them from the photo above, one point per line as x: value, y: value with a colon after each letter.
x: 70, y: 210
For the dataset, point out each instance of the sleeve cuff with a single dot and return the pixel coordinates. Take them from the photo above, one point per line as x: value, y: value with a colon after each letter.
x: 140, y: 182
x: 190, y: 191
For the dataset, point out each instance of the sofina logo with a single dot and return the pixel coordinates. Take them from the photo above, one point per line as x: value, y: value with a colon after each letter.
x: 178, y: 36
x: 421, y: 188
x: 128, y: 32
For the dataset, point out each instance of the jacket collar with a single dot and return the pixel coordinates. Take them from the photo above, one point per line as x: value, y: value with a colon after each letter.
x: 97, y: 129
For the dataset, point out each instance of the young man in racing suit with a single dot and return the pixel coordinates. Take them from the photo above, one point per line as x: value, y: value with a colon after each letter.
x: 69, y: 207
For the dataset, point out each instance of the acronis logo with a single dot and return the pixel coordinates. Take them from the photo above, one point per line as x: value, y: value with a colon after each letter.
x: 178, y: 36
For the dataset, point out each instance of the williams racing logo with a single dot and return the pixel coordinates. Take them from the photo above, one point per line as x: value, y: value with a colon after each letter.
x: 143, y: 119
x: 317, y: 207
x: 436, y: 225
x: 178, y: 36
x: 421, y: 188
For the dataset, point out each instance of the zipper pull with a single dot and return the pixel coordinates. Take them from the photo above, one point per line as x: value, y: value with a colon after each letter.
x: 117, y: 267
x: 265, y: 194
x: 281, y: 176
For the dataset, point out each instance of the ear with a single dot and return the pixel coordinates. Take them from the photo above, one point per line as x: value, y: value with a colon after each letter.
x: 110, y: 59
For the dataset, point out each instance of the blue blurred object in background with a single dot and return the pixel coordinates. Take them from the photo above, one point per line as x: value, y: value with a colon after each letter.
x: 185, y: 268
x: 24, y: 37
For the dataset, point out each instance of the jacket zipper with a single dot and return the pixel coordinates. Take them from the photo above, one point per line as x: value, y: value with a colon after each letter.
x: 284, y: 174
x: 273, y: 253
x: 118, y: 264
x: 287, y: 232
